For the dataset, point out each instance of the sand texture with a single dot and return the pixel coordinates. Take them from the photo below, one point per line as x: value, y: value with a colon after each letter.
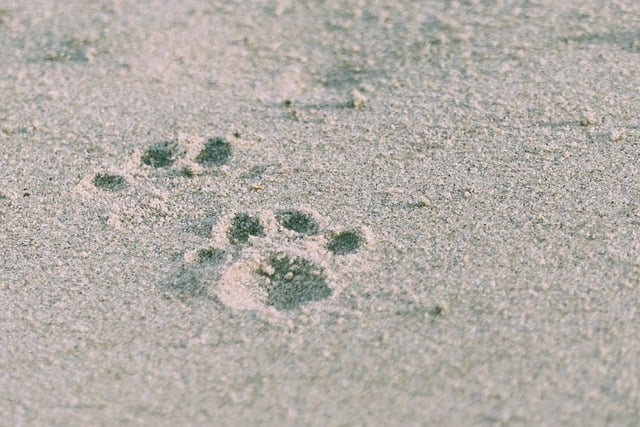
x: 320, y: 213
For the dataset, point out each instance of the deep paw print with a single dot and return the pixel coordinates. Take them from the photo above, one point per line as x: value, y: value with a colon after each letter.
x: 278, y: 260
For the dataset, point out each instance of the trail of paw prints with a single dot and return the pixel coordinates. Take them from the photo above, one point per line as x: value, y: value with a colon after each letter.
x: 129, y: 196
x: 273, y: 261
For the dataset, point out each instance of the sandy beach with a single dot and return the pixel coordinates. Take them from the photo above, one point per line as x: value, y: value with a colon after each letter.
x: 319, y: 213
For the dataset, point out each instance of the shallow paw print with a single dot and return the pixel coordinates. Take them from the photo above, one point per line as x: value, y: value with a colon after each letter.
x: 345, y: 242
x: 148, y: 209
x: 127, y: 195
x: 279, y: 261
x: 107, y: 189
x: 120, y: 199
x: 72, y: 49
x: 194, y: 279
x: 109, y: 182
x: 103, y: 183
x: 189, y: 155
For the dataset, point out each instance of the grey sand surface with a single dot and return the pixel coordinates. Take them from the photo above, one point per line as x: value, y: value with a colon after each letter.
x: 484, y: 154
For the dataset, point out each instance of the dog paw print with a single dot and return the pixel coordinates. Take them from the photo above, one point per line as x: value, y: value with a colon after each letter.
x: 277, y: 260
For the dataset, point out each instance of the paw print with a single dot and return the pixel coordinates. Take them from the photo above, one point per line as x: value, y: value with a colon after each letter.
x: 270, y: 260
x: 189, y: 155
x: 127, y: 193
x: 276, y: 260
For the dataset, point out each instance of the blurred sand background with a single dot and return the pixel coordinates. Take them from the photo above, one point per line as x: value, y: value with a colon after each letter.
x: 487, y: 153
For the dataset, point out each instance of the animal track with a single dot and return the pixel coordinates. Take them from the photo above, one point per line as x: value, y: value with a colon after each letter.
x: 297, y: 221
x: 274, y: 260
x: 111, y: 182
x: 189, y: 154
x: 271, y: 260
x: 345, y: 242
x: 292, y: 281
x: 130, y: 199
x: 160, y: 155
x: 244, y: 226
x: 216, y: 152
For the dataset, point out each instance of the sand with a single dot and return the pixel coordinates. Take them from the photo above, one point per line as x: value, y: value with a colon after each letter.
x: 319, y: 213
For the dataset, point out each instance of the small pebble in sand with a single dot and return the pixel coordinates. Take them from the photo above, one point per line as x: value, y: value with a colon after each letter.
x: 616, y: 135
x: 588, y: 119
x: 439, y: 310
x: 358, y: 100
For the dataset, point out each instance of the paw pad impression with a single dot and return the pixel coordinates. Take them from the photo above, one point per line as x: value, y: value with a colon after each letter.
x: 189, y: 154
x: 280, y: 260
